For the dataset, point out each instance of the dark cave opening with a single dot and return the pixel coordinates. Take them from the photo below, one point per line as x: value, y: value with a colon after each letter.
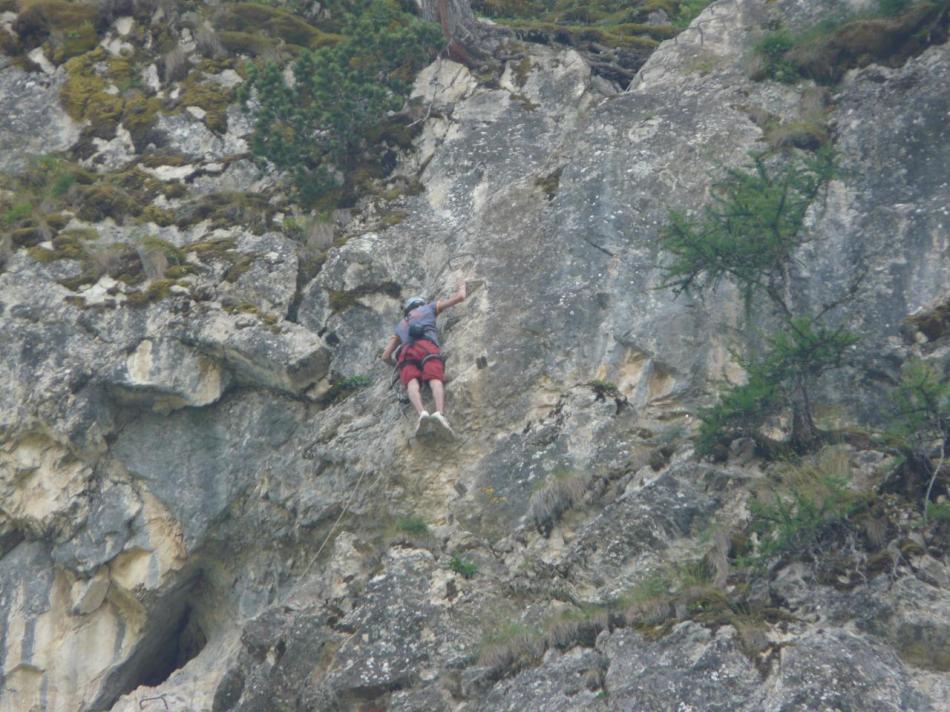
x: 183, y: 642
x: 175, y: 638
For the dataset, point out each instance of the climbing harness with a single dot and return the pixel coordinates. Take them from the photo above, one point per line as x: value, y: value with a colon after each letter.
x: 418, y: 363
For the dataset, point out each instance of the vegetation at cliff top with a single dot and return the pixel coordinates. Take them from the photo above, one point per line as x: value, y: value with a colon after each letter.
x: 888, y: 34
x: 615, y: 23
x: 326, y: 126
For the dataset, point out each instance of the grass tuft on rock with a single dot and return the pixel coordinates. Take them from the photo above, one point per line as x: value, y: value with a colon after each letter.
x: 557, y: 495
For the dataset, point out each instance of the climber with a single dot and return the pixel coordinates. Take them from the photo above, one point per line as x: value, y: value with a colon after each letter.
x: 418, y: 357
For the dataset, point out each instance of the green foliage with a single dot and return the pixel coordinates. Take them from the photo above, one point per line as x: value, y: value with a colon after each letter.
x: 17, y: 212
x: 748, y: 235
x: 922, y: 405
x: 750, y: 230
x: 591, y: 23
x: 465, y: 569
x: 772, y: 49
x: 603, y: 389
x: 414, y: 526
x: 270, y: 19
x: 75, y: 41
x: 793, y: 360
x: 346, y: 387
x: 740, y: 411
x: 318, y: 129
x: 809, y: 499
x: 892, y: 8
x: 680, y: 588
x: 688, y: 11
x: 554, y: 496
x: 938, y: 512
x: 511, y: 646
x: 174, y: 255
x: 921, y: 419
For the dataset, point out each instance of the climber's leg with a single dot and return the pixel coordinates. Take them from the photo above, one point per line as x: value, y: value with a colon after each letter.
x: 415, y: 396
x: 438, y: 394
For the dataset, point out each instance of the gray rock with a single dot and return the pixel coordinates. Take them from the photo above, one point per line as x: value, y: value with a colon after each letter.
x: 291, y: 359
x: 198, y: 462
x: 389, y: 649
x: 270, y: 283
x: 565, y: 682
x: 31, y: 118
x: 691, y: 668
x: 107, y: 528
x: 166, y: 374
x: 834, y: 669
x: 189, y: 136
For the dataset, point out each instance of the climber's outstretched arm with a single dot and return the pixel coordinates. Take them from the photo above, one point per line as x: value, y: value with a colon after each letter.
x: 443, y: 304
x: 390, y: 347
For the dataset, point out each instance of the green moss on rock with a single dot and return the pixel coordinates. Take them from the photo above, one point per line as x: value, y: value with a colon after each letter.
x: 213, y: 98
x: 240, y: 264
x: 157, y: 215
x: 17, y: 212
x: 84, y: 234
x: 84, y: 95
x: 246, y: 43
x: 808, y: 135
x: 180, y: 271
x: 250, y: 210
x: 173, y: 254
x: 74, y: 41
x: 103, y: 200
x: 42, y: 254
x: 275, y: 22
x: 139, y: 115
x: 342, y: 300
x: 37, y: 21
x: 824, y: 54
x: 215, y: 247
x: 26, y: 236
x: 156, y: 291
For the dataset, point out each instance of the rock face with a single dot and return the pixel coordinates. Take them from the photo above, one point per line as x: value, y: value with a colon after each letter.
x: 33, y: 121
x: 202, y: 508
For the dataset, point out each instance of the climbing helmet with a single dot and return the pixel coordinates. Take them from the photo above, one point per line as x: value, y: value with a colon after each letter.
x: 412, y: 303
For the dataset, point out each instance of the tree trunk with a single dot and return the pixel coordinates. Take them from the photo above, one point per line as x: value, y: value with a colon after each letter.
x: 805, y: 434
x: 457, y: 22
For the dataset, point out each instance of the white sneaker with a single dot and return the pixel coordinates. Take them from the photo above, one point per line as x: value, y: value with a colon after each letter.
x: 441, y: 425
x: 423, y: 427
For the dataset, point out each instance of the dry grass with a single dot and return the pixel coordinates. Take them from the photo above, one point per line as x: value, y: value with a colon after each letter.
x: 559, y: 493
x: 175, y: 65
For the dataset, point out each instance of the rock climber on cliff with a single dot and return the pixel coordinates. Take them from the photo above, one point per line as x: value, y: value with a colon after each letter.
x: 419, y: 358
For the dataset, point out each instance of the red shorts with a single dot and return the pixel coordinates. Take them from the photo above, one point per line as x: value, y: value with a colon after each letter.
x: 433, y: 370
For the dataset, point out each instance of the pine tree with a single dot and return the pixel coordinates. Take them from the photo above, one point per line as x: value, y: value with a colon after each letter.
x: 748, y: 235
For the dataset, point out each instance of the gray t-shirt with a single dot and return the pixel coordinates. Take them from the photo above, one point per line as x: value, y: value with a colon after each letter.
x: 424, y: 316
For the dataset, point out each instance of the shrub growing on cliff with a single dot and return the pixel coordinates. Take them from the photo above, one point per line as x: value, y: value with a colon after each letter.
x: 748, y: 235
x: 318, y: 128
x: 799, y: 509
x: 465, y: 569
x: 921, y: 425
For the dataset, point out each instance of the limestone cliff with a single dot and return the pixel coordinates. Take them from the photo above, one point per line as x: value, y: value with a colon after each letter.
x: 210, y: 498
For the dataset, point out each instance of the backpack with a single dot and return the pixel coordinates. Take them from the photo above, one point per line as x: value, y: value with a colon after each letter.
x: 416, y: 331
